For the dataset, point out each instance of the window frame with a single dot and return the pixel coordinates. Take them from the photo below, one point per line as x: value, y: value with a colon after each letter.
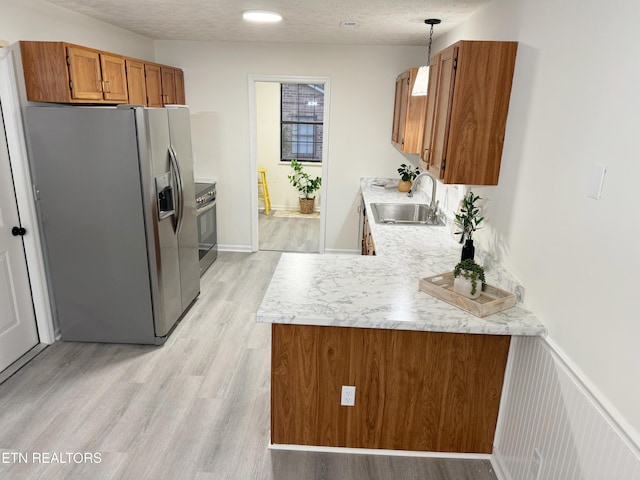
x: 302, y: 118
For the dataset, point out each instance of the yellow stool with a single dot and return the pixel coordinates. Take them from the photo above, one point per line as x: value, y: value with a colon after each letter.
x: 262, y: 182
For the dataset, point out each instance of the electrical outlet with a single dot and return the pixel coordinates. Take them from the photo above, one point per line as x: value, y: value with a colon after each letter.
x: 536, y: 465
x: 520, y: 293
x: 348, y: 398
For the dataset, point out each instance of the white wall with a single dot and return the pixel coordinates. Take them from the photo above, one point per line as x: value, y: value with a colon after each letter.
x: 362, y: 93
x: 574, y: 103
x: 282, y: 194
x: 39, y: 20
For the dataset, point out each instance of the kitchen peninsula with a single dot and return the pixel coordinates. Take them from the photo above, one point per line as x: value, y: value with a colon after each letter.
x: 428, y: 375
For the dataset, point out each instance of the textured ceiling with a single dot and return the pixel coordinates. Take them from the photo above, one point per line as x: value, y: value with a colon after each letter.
x: 380, y: 22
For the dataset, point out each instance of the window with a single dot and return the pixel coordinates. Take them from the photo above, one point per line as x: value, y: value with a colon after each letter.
x: 301, y: 117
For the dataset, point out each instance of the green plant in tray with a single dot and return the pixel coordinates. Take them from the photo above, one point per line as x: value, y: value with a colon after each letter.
x: 470, y: 270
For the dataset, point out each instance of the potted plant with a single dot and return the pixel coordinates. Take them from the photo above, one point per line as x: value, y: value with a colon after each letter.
x: 407, y: 174
x: 468, y: 278
x: 468, y: 221
x: 305, y: 185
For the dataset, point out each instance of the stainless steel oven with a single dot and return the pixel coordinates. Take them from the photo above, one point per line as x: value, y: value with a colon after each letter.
x: 207, y: 224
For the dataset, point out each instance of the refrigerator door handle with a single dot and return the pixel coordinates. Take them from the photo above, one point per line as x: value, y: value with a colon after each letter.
x: 180, y: 185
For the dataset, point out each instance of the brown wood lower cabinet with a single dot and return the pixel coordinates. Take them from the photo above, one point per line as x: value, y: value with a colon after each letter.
x: 421, y: 391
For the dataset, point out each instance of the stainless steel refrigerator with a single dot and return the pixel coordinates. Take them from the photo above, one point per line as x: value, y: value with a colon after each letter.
x: 115, y: 195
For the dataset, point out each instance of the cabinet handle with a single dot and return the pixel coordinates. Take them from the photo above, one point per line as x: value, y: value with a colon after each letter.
x: 107, y: 87
x: 100, y: 86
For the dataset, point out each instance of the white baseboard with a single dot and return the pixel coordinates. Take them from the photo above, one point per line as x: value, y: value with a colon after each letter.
x: 234, y: 248
x: 498, y: 465
x: 370, y: 451
x: 288, y: 207
x: 342, y: 251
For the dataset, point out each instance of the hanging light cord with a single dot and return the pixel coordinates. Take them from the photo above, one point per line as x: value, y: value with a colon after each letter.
x: 432, y: 22
x: 430, y: 40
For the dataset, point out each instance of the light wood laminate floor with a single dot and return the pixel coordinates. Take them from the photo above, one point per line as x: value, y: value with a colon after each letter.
x: 195, y: 408
x: 284, y: 234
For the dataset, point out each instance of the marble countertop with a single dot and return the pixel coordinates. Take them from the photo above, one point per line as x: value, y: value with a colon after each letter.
x: 382, y: 291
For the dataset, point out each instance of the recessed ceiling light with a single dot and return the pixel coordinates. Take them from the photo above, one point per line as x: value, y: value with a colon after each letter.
x: 262, y: 16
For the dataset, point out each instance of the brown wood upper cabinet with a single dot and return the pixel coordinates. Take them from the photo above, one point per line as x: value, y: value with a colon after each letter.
x: 154, y: 85
x: 165, y: 85
x: 168, y: 85
x: 61, y: 72
x: 180, y: 96
x: 408, y: 114
x: 66, y: 73
x: 466, y: 112
x: 136, y: 82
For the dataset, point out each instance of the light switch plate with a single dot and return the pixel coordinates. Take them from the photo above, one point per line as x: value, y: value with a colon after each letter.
x: 596, y: 182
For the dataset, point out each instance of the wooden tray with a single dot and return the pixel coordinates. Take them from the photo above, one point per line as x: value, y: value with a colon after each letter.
x: 491, y: 300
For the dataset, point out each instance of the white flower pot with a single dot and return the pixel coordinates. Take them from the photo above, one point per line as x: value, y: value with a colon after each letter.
x: 462, y: 286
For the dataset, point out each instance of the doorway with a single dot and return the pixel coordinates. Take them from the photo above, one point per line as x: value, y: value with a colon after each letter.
x: 18, y: 333
x: 279, y: 224
x: 25, y: 313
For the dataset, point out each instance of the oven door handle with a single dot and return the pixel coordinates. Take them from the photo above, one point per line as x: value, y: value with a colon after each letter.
x: 206, y: 208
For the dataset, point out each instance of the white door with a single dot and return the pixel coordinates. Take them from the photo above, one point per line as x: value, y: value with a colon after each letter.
x: 18, y: 333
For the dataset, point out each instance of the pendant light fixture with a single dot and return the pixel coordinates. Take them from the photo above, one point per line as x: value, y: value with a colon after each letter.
x: 422, y: 79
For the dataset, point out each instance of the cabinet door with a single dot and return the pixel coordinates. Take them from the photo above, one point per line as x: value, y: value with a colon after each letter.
x: 399, y: 110
x: 483, y: 80
x: 46, y: 72
x: 135, y: 83
x: 153, y: 82
x: 408, y: 114
x: 429, y: 121
x: 467, y: 111
x: 440, y: 111
x: 84, y: 74
x: 368, y: 247
x: 180, y: 96
x: 413, y: 126
x: 114, y: 77
x: 168, y: 85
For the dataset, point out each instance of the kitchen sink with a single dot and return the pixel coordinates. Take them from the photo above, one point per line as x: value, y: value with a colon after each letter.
x: 404, y: 214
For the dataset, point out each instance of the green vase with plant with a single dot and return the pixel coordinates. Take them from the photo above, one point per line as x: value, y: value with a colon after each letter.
x: 305, y: 185
x: 407, y: 174
x: 468, y: 221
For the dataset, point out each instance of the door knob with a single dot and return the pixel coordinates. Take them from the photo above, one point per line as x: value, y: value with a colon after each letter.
x: 18, y: 231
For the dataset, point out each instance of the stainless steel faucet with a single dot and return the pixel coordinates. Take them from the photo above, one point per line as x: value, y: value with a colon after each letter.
x: 434, y: 204
x: 415, y: 185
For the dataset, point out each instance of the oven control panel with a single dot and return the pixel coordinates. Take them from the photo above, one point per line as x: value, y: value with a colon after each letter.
x: 205, y: 194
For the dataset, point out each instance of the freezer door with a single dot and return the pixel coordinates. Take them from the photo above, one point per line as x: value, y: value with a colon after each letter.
x: 87, y: 176
x: 180, y: 132
x: 160, y: 178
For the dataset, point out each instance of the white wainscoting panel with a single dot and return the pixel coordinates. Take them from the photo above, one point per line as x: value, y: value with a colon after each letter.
x: 546, y: 407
